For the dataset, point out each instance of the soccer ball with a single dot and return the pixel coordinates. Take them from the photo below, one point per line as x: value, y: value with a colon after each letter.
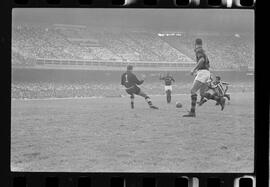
x: 178, y: 105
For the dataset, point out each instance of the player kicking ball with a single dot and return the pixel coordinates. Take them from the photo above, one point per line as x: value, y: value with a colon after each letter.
x: 131, y: 82
x: 200, y: 81
x: 168, y: 79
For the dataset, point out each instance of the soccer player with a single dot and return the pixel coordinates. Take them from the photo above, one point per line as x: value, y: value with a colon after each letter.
x: 202, y: 76
x: 168, y: 79
x: 131, y: 82
x: 221, y: 88
x: 217, y: 88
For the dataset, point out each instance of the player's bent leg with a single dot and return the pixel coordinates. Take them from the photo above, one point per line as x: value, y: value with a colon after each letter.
x: 202, y: 101
x: 227, y: 96
x: 219, y: 99
x: 131, y: 92
x: 147, y: 99
x: 222, y: 102
x: 204, y: 88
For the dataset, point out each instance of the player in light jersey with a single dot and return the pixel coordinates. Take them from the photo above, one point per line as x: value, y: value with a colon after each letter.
x: 131, y: 82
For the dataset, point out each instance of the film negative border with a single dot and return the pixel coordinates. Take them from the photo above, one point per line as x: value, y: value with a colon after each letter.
x: 125, y: 179
x: 130, y: 180
x: 245, y: 4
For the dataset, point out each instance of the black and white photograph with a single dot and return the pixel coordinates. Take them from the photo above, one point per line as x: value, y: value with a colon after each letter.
x: 132, y: 90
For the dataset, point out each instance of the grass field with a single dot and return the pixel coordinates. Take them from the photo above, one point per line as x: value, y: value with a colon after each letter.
x: 105, y: 135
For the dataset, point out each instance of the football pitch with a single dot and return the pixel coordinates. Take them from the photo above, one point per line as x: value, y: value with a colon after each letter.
x: 106, y: 135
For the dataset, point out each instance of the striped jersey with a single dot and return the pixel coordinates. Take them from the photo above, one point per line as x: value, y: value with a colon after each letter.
x: 220, y: 87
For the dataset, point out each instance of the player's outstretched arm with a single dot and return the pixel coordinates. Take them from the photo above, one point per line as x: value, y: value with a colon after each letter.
x: 137, y: 81
x: 140, y: 82
x: 225, y: 83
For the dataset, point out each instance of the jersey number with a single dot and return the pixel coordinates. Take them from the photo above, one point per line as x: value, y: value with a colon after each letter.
x: 126, y: 76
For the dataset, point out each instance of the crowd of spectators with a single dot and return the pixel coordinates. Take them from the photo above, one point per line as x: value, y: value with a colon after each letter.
x: 162, y: 49
x: 42, y: 90
x: 224, y: 51
x: 37, y: 42
x: 19, y: 59
x: 115, y: 43
x: 103, y: 54
x: 38, y: 90
x: 53, y: 43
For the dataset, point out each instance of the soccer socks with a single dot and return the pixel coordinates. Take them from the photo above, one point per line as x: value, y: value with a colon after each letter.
x: 191, y: 113
x: 193, y: 103
x: 132, y: 104
x: 202, y: 101
x: 148, y: 100
x: 132, y: 101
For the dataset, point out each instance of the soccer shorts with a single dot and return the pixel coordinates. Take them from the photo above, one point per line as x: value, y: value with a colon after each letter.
x: 203, y: 76
x: 168, y: 88
x: 133, y: 90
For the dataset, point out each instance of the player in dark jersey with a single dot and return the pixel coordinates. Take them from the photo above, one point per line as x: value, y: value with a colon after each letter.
x: 168, y: 79
x: 131, y: 82
x: 202, y: 76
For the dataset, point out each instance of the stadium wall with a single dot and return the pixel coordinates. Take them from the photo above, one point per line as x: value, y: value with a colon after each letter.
x: 110, y: 65
x: 105, y: 65
x: 73, y: 75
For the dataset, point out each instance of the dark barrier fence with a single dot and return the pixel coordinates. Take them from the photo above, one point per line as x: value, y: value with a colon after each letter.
x: 61, y: 75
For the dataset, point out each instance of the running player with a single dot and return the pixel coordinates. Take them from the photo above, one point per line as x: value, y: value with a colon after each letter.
x: 168, y: 79
x: 200, y: 82
x: 131, y: 82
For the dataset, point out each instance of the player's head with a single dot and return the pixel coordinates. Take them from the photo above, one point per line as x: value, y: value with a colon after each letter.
x: 168, y: 74
x: 129, y: 68
x: 218, y: 78
x: 198, y: 43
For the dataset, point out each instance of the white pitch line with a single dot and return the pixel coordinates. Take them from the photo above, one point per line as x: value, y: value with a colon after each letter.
x: 92, y: 97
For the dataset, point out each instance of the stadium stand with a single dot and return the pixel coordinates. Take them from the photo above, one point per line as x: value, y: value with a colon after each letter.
x: 159, y: 47
x: 224, y: 51
x: 81, y: 43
